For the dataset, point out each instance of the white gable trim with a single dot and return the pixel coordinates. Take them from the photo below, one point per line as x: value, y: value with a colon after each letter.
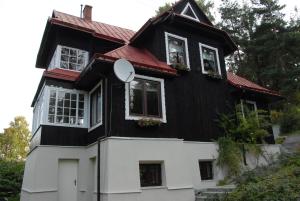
x: 188, y: 5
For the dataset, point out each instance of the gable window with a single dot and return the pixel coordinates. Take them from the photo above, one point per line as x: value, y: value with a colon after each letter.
x: 189, y: 12
x: 206, y: 170
x: 176, y: 50
x: 209, y: 59
x: 66, y: 107
x: 145, y: 98
x: 150, y: 174
x: 96, y: 106
x: 248, y: 107
x: 69, y: 58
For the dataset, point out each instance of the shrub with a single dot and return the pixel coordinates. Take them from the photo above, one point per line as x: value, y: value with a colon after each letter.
x: 290, y: 120
x: 11, y: 175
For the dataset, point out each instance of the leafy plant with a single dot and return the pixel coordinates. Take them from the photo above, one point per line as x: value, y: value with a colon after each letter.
x: 290, y: 120
x: 148, y: 122
x: 11, y: 175
x: 242, y: 133
x: 275, y: 116
x: 214, y: 74
x: 181, y: 67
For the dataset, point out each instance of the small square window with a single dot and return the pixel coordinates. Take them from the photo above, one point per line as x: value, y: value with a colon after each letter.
x: 206, y: 170
x: 150, y: 174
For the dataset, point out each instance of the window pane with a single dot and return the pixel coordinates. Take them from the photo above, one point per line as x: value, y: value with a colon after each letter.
x: 52, y: 94
x: 59, y: 119
x: 81, y: 97
x: 209, y: 59
x: 136, y: 100
x: 51, y: 118
x: 72, y: 58
x: 66, y: 120
x: 176, y: 50
x: 52, y: 101
x: 153, y: 103
x: 65, y: 50
x: 150, y: 175
x: 95, y: 109
x: 206, y: 170
x: 51, y: 110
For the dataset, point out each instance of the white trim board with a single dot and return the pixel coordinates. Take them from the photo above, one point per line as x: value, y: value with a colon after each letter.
x: 162, y: 93
x: 185, y: 45
x: 183, y: 13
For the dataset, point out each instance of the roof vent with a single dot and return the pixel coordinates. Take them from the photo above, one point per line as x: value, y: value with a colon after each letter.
x: 87, y: 13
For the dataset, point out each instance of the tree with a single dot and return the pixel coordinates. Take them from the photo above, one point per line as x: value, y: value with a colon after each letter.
x: 14, y: 142
x: 205, y: 5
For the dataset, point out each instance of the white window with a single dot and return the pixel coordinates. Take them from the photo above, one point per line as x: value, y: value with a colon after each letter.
x: 209, y: 59
x: 247, y: 107
x: 95, y: 106
x: 69, y: 58
x: 189, y: 12
x: 66, y: 107
x: 177, y: 51
x: 145, y: 98
x: 38, y: 111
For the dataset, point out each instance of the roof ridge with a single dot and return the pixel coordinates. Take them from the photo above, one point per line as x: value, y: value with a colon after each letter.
x: 93, y: 21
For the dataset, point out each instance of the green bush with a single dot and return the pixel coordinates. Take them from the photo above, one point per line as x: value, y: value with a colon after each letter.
x: 279, y: 181
x: 290, y: 120
x: 11, y: 175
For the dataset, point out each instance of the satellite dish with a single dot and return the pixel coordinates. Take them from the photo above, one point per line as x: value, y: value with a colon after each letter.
x: 124, y: 70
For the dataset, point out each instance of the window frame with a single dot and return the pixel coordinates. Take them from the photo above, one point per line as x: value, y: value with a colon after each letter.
x: 56, y: 58
x: 162, y: 174
x: 100, y: 84
x: 212, y: 169
x: 188, y: 5
x: 249, y: 102
x: 129, y: 116
x: 217, y: 57
x: 167, y: 34
x: 59, y: 89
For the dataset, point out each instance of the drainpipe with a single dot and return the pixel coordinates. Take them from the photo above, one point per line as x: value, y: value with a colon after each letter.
x: 99, y: 141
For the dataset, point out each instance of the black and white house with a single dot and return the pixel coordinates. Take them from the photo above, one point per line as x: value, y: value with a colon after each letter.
x: 151, y: 139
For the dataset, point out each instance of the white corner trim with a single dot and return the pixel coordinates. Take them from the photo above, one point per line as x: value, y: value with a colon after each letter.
x: 186, y: 47
x: 188, y: 5
x: 89, y: 107
x: 163, y: 102
x: 201, y: 57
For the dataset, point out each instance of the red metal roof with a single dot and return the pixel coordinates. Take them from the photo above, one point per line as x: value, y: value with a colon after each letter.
x: 139, y: 57
x: 62, y: 74
x: 98, y: 29
x: 241, y: 82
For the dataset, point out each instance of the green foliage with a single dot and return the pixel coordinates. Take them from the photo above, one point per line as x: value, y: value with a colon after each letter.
x: 275, y: 116
x: 242, y: 133
x: 148, y: 122
x: 163, y: 8
x: 230, y: 157
x: 290, y: 120
x: 11, y: 175
x: 205, y: 5
x: 279, y: 181
x: 14, y: 142
x: 280, y: 140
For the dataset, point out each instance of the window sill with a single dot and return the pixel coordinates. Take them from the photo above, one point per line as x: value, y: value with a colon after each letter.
x: 65, y: 125
x: 213, y: 76
x: 136, y: 118
x: 95, y: 126
x: 153, y: 187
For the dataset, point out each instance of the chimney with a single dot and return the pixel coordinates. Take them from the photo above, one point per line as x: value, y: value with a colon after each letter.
x: 87, y: 13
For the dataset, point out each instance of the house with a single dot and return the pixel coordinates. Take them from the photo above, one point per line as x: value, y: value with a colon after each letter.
x: 90, y: 135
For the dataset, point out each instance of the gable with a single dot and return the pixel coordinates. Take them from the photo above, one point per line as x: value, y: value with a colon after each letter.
x: 189, y: 12
x: 190, y: 9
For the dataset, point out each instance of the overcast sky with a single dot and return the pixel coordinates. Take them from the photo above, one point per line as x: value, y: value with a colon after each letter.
x: 22, y: 26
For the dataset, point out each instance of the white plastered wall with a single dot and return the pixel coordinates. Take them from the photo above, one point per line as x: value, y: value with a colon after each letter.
x: 120, y: 159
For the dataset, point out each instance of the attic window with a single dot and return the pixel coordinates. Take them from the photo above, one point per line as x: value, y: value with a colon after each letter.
x: 209, y: 60
x: 176, y: 50
x: 189, y: 12
x: 69, y: 58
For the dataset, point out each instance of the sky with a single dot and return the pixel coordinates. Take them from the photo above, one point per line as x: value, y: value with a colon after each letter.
x: 22, y: 25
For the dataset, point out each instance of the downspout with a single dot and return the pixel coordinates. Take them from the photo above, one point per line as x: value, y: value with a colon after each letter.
x: 99, y: 141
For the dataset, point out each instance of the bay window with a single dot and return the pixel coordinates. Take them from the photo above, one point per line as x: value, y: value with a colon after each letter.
x: 96, y: 106
x: 66, y: 107
x: 209, y: 59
